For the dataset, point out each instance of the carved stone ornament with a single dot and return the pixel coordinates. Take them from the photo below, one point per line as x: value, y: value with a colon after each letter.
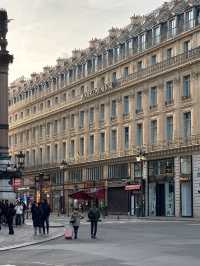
x: 119, y: 99
x: 195, y: 75
x: 177, y: 79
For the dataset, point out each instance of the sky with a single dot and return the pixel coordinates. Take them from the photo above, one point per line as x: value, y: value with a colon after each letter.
x: 43, y: 30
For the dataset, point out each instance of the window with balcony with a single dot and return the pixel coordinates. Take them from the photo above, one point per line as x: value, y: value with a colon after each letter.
x: 110, y: 56
x: 82, y: 89
x: 91, y: 144
x: 73, y: 93
x: 33, y: 158
x: 126, y: 105
x: 99, y: 61
x: 41, y: 131
x: 126, y: 138
x: 139, y: 102
x: 186, y: 87
x: 169, y: 92
x: 56, y: 100
x: 81, y: 146
x: 139, y: 66
x: 34, y: 109
x: 126, y: 70
x: 153, y: 97
x: 41, y: 106
x: 21, y: 137
x: 114, y: 79
x: 142, y: 42
x: 113, y: 140
x: 102, y: 142
x: 180, y: 23
x: 64, y: 149
x: 48, y: 129
x: 113, y: 108
x: 135, y: 45
x: 186, y: 124
x: 189, y: 20
x: 153, y: 132
x: 102, y: 112
x: 48, y: 154
x: 81, y: 119
x: 72, y: 148
x: 149, y: 38
x: 122, y: 51
x: 55, y: 152
x: 55, y: 127
x: 48, y: 103
x: 72, y: 121
x: 169, y: 128
x: 64, y: 124
x: 156, y: 35
x: 40, y: 156
x: 186, y: 46
x: 153, y: 59
x: 91, y: 116
x: 169, y: 53
x: 139, y: 134
x: 172, y: 28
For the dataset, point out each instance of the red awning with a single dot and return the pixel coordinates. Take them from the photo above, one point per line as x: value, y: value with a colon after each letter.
x: 98, y: 194
x: 81, y: 195
x: 133, y: 187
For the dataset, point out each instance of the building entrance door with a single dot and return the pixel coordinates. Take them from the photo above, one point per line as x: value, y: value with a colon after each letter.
x: 160, y: 199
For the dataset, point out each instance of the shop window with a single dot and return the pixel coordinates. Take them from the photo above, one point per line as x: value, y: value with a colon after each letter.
x: 186, y: 165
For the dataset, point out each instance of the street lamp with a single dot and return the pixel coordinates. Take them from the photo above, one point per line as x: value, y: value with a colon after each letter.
x: 63, y: 166
x: 140, y: 158
x: 20, y: 160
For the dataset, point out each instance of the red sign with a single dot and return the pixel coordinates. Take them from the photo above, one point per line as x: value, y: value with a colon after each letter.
x: 133, y: 187
x: 16, y: 182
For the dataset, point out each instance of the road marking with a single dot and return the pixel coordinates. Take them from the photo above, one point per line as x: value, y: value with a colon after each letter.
x: 194, y: 224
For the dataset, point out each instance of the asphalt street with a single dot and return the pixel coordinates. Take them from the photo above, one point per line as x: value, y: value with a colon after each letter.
x: 135, y: 243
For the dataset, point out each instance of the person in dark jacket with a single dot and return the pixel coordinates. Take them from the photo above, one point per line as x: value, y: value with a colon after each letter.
x: 94, y: 215
x: 10, y: 216
x: 36, y: 217
x: 45, y: 209
x: 1, y: 213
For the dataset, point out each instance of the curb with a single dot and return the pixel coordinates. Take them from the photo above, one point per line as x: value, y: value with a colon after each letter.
x: 27, y: 244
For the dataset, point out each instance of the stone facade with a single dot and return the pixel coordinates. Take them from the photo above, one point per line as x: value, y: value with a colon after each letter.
x: 138, y: 87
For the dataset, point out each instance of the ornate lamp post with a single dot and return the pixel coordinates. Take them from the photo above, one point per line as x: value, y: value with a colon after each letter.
x: 140, y: 158
x: 63, y: 166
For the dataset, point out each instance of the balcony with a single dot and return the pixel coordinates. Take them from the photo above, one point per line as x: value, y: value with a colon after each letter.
x: 146, y: 73
x: 186, y: 98
x: 153, y: 107
x: 169, y: 102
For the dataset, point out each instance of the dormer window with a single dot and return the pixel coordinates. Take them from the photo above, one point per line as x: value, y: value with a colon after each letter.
x: 156, y: 35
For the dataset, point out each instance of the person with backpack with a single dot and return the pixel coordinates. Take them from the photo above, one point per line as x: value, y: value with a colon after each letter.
x: 94, y: 215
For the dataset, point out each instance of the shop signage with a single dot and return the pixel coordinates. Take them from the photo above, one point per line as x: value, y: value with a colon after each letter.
x: 185, y: 178
x: 16, y: 182
x: 133, y: 187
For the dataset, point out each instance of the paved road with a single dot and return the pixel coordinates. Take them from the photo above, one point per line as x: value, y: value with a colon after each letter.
x: 141, y: 243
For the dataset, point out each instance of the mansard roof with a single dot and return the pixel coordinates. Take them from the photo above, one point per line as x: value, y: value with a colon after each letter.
x: 116, y: 36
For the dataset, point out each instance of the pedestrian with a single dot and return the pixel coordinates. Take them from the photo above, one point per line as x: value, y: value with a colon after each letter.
x: 19, y: 212
x: 75, y: 221
x: 24, y: 211
x: 10, y: 215
x: 1, y: 213
x: 36, y: 217
x: 94, y: 215
x: 46, y: 210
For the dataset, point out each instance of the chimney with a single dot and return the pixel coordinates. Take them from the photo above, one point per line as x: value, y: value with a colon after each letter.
x: 136, y: 19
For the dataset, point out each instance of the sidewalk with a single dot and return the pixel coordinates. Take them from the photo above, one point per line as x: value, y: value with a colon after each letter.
x: 24, y: 236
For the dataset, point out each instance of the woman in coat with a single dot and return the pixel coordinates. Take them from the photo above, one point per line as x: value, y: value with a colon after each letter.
x: 75, y: 221
x: 36, y: 217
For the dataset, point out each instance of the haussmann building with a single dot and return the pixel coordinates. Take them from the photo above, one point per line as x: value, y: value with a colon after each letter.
x: 124, y: 116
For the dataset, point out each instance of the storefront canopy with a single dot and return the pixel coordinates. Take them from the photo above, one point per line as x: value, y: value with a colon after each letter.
x: 89, y: 195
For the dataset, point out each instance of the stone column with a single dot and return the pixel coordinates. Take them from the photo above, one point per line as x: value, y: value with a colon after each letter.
x: 196, y: 185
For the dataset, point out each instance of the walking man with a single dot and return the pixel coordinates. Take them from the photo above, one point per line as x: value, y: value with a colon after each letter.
x: 94, y: 215
x: 45, y: 215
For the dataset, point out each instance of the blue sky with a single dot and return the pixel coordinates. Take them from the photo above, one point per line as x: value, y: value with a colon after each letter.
x: 43, y: 30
